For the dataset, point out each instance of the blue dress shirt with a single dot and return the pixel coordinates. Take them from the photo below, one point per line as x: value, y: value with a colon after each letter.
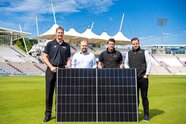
x: 84, y: 60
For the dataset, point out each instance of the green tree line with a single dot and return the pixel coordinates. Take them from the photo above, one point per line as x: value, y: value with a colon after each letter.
x: 29, y: 43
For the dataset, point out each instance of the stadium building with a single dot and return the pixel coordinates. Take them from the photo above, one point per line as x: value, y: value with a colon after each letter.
x: 14, y: 61
x: 166, y: 59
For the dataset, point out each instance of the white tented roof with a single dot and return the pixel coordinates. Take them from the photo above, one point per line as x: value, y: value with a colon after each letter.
x: 72, y: 34
x: 50, y: 34
x: 13, y: 32
x: 92, y: 37
x: 105, y: 36
x: 121, y: 39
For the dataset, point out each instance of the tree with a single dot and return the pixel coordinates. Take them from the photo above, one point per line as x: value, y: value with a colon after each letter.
x: 29, y: 43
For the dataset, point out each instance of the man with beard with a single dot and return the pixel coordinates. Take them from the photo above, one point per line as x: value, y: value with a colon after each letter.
x: 84, y: 59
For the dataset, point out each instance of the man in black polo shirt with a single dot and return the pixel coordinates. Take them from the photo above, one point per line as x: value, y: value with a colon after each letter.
x: 110, y: 58
x: 56, y: 55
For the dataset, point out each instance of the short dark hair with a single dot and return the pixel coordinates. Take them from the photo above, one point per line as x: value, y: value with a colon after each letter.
x: 135, y: 38
x: 59, y: 28
x: 112, y: 40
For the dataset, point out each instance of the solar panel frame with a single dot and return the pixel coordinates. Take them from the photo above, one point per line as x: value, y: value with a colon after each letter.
x: 96, y: 95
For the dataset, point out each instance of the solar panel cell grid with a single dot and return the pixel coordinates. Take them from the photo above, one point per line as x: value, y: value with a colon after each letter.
x: 96, y: 95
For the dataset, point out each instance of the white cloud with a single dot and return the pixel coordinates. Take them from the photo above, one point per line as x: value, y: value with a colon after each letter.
x: 146, y: 37
x: 9, y: 25
x: 149, y: 40
x: 95, y: 6
x: 66, y: 6
x: 23, y: 12
x: 29, y: 6
x: 168, y: 38
x: 166, y: 34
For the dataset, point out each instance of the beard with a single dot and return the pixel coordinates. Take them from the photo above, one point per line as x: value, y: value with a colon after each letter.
x: 84, y: 50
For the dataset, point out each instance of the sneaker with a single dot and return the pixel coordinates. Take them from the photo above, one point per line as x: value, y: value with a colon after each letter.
x: 146, y: 118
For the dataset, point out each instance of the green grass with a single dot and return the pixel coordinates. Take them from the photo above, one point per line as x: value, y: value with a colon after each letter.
x: 22, y: 101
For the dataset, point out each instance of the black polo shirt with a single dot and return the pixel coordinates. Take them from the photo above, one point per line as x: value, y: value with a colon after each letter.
x: 58, y: 53
x: 111, y: 59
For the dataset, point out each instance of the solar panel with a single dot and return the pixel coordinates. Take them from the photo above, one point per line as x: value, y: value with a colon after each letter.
x: 96, y: 95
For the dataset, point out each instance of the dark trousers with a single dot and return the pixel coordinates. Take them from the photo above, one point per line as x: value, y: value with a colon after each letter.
x: 142, y: 85
x: 50, y: 78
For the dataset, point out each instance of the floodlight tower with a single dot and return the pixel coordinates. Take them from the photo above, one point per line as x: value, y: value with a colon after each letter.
x: 161, y: 22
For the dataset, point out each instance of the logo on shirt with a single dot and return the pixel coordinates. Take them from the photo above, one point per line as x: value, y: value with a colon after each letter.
x: 55, y: 46
x: 64, y: 47
x: 115, y: 56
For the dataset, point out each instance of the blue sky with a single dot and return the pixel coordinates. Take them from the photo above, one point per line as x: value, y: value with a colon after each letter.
x: 140, y: 17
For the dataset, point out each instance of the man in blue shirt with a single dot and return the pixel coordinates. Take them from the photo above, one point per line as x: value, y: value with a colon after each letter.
x: 84, y: 59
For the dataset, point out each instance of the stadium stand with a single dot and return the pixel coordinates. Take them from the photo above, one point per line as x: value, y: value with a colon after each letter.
x: 7, y: 67
x: 13, y: 61
x: 166, y: 60
x: 4, y: 72
x: 10, y: 55
x: 154, y: 61
x: 159, y: 70
x: 171, y: 59
x: 17, y: 62
x: 181, y: 58
x: 14, y: 54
